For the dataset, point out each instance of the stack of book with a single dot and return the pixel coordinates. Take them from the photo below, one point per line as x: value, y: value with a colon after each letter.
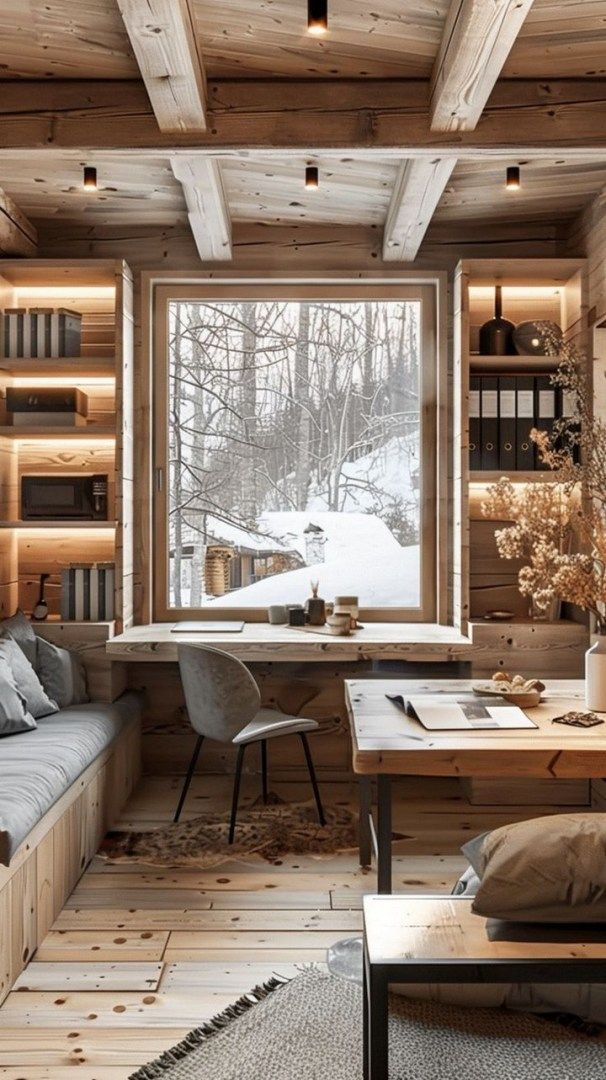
x: 503, y: 409
x: 87, y: 592
x: 41, y: 332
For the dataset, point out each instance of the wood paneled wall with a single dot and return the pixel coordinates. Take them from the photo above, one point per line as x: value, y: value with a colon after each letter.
x: 587, y: 236
x: 316, y: 690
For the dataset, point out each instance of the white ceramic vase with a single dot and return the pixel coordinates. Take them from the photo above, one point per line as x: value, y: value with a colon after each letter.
x: 595, y: 675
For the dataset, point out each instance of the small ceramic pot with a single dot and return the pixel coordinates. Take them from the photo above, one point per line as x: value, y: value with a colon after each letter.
x: 296, y: 616
x: 277, y: 614
x: 348, y: 605
x: 339, y: 624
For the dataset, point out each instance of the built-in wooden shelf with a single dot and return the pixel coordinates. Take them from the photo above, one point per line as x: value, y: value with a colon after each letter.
x: 71, y: 367
x: 512, y: 364
x: 103, y: 294
x: 57, y: 524
x: 58, y: 623
x: 532, y: 476
x: 87, y: 431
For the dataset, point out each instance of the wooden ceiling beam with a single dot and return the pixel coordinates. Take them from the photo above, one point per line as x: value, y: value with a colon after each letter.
x: 17, y: 234
x: 163, y: 40
x: 523, y: 117
x: 207, y: 207
x: 477, y: 38
x: 418, y: 189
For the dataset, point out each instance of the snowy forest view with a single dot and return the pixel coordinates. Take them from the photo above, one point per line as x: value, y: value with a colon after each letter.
x: 294, y: 442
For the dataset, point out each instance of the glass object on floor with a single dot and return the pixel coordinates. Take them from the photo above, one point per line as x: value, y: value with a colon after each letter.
x: 344, y: 959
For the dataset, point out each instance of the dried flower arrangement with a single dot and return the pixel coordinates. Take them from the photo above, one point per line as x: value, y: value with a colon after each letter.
x: 559, y: 526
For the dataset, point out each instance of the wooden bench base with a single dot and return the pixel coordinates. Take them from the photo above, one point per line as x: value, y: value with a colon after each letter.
x: 44, y: 870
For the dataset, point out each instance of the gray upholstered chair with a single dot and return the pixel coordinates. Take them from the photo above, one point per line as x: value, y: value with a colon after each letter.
x: 223, y: 703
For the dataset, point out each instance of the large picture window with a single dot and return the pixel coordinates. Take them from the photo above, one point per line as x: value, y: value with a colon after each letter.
x: 296, y: 445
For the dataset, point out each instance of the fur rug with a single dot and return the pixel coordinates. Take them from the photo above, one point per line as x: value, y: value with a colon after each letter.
x: 269, y: 832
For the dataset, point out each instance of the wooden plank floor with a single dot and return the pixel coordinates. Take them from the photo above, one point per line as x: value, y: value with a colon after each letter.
x: 140, y: 955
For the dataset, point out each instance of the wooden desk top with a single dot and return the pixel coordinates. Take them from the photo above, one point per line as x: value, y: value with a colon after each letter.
x: 262, y: 642
x: 401, y: 928
x: 380, y: 729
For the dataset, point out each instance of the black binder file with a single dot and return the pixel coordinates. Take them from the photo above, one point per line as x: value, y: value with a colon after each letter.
x: 566, y: 410
x: 490, y: 422
x: 507, y: 423
x: 524, y: 422
x: 475, y: 450
x: 545, y: 410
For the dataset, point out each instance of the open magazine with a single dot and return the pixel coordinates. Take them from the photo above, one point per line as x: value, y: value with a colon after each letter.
x: 461, y: 712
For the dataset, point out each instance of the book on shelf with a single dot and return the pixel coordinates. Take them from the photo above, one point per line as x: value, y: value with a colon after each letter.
x: 475, y: 435
x: 507, y: 423
x: 87, y: 592
x: 503, y: 410
x: 489, y: 421
x: 41, y: 332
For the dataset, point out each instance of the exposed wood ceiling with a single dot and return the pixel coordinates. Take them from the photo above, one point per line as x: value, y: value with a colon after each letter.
x: 352, y: 191
x: 397, y: 38
x: 144, y: 190
x: 411, y: 111
x: 551, y: 191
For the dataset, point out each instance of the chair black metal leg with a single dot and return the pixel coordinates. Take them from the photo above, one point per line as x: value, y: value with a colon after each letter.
x: 264, y: 769
x: 312, y: 777
x: 234, y: 804
x: 188, y: 778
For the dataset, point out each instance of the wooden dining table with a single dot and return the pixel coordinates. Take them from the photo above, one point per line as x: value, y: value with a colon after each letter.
x: 387, y: 743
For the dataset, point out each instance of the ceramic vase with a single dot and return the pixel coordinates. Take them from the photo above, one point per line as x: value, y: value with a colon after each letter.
x: 595, y: 675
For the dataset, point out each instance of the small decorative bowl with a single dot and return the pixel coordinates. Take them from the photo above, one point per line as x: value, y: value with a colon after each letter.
x: 524, y: 699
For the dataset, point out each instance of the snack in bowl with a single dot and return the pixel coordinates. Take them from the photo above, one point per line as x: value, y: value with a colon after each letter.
x: 516, y: 689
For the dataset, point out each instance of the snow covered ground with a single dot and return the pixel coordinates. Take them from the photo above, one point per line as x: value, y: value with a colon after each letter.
x: 361, y: 557
x: 360, y: 554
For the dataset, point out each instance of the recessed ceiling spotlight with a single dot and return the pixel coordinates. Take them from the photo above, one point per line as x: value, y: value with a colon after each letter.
x: 317, y: 17
x: 90, y: 178
x: 512, y: 179
x: 312, y: 179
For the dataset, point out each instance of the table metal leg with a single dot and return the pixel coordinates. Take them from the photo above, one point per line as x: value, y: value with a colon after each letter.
x: 378, y: 1024
x: 384, y: 833
x: 364, y: 803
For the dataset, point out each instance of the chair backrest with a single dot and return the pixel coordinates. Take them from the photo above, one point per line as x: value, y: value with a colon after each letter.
x: 220, y: 693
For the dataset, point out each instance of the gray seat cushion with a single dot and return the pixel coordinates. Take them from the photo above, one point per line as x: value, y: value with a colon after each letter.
x: 37, y: 767
x: 269, y: 723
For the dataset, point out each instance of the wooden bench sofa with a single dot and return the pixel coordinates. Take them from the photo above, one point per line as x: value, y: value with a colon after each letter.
x: 45, y: 867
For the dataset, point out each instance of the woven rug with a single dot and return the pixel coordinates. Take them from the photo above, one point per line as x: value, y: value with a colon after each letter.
x: 311, y: 1029
x: 269, y: 832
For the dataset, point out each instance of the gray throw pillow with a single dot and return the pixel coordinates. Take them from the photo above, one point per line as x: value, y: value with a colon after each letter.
x: 28, y: 684
x: 14, y: 716
x: 61, y: 673
x: 549, y: 869
x: 20, y: 628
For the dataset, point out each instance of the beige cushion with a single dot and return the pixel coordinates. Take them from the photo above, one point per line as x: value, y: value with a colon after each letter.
x: 549, y: 869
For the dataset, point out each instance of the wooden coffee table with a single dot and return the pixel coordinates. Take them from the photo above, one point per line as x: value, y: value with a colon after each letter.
x: 388, y: 743
x: 428, y: 939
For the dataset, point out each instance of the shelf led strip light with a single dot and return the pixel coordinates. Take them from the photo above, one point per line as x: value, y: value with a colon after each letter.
x: 515, y: 292
x: 64, y: 292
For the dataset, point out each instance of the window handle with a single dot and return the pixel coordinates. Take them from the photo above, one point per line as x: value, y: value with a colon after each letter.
x: 159, y: 478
